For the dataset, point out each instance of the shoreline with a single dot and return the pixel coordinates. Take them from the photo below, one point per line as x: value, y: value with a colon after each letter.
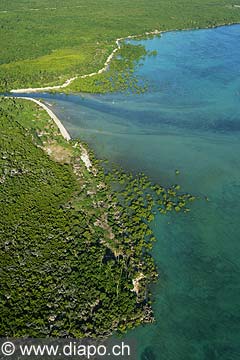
x: 65, y: 134
x: 107, y: 62
x: 69, y: 81
x: 96, y: 188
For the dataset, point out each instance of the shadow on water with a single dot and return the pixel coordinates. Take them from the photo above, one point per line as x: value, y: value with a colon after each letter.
x: 148, y: 354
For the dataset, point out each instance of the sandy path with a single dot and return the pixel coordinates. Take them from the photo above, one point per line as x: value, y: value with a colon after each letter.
x: 57, y: 121
x: 38, y: 9
x: 105, y: 67
x: 85, y: 156
x: 48, y: 88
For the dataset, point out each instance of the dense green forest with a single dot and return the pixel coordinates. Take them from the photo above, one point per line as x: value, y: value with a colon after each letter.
x: 74, y: 241
x: 46, y: 42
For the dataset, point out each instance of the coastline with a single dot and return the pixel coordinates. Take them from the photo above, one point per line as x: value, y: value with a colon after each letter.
x: 107, y: 62
x: 96, y: 199
x: 65, y: 134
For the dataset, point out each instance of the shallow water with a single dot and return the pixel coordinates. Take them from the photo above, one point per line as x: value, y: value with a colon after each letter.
x: 189, y: 119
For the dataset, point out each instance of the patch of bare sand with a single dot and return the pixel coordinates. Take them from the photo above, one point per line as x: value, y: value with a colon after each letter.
x: 59, y: 153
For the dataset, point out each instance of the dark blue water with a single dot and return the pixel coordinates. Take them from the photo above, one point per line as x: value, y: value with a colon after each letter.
x: 189, y: 119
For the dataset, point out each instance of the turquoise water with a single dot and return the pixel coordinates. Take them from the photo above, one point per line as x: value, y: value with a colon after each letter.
x: 189, y: 119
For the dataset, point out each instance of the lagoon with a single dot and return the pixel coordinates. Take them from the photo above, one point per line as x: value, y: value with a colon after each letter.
x: 189, y: 119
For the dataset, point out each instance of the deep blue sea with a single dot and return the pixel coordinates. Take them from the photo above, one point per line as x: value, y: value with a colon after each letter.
x: 189, y: 119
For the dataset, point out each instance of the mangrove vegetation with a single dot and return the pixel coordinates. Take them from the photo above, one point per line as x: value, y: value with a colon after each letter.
x: 75, y: 235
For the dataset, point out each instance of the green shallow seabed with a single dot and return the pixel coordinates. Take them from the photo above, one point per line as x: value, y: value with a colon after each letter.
x: 189, y: 119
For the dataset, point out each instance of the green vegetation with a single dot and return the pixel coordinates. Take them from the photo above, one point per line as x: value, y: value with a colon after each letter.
x: 74, y: 243
x: 46, y: 42
x: 119, y: 77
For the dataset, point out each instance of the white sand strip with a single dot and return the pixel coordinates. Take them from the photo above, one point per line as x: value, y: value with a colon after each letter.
x: 57, y: 121
x: 105, y: 67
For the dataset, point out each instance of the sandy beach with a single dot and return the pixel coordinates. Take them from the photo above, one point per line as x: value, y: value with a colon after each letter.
x: 57, y: 121
x: 105, y: 67
x: 85, y: 156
